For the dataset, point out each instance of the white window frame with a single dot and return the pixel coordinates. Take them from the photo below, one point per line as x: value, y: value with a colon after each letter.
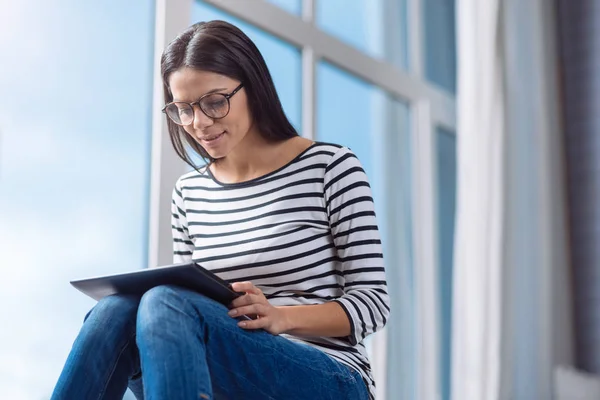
x: 430, y: 107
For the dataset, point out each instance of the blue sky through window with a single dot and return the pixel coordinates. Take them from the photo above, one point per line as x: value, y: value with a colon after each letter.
x: 74, y: 170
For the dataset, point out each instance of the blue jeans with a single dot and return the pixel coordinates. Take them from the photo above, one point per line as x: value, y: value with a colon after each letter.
x: 177, y: 344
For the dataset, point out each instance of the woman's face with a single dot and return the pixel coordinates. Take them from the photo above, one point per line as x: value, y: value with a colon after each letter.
x: 219, y: 137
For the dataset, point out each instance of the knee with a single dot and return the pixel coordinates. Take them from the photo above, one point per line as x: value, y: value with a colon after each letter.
x: 169, y: 309
x: 158, y: 309
x: 112, y: 311
x: 112, y: 307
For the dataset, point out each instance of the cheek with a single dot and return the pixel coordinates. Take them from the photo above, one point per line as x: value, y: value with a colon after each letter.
x: 189, y: 131
x: 238, y: 123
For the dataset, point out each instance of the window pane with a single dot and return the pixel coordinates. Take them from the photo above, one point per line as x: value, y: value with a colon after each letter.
x: 356, y: 114
x: 446, y: 171
x: 440, y: 43
x: 75, y: 119
x: 401, y: 343
x: 398, y: 35
x: 376, y: 27
x: 357, y: 22
x: 349, y: 113
x: 283, y: 59
x: 291, y: 6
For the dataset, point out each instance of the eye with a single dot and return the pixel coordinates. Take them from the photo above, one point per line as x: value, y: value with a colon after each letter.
x: 184, y: 111
x: 214, y: 102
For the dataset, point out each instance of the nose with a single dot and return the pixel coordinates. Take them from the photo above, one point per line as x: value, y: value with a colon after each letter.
x: 201, y: 121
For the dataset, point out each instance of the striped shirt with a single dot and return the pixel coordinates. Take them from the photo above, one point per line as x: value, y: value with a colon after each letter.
x: 304, y: 234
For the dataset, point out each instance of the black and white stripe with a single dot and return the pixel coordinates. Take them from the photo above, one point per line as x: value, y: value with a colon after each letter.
x: 304, y: 234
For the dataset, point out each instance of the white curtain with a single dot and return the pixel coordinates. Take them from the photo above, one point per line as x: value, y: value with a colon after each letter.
x: 478, y: 260
x: 510, y: 307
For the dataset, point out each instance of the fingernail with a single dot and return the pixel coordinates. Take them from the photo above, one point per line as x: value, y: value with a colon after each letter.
x: 232, y: 312
x: 242, y: 324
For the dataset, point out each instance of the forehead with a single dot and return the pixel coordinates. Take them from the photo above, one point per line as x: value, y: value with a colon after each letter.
x: 187, y: 84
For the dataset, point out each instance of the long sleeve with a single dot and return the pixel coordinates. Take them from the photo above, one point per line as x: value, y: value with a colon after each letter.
x: 182, y: 244
x: 356, y: 237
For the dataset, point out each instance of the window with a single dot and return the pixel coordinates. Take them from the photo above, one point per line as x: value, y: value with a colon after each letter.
x: 377, y: 27
x: 356, y: 22
x: 75, y: 157
x: 75, y: 121
x: 446, y: 205
x: 381, y: 99
x: 398, y: 246
x: 440, y: 43
x: 356, y: 121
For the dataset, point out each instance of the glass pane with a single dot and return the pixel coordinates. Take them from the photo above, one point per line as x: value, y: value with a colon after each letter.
x: 376, y: 128
x: 75, y: 120
x: 398, y: 35
x: 440, y: 43
x: 283, y: 59
x: 446, y: 171
x: 376, y: 27
x: 356, y: 121
x: 291, y: 6
x: 401, y: 343
x: 357, y: 22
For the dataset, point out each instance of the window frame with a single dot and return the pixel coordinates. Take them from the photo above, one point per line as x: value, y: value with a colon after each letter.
x: 429, y: 107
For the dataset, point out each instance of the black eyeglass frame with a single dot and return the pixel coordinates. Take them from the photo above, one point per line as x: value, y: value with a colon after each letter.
x: 226, y: 95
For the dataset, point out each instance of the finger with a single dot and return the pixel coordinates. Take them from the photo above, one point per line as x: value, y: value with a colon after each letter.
x: 257, y: 308
x: 254, y: 324
x: 247, y: 287
x: 246, y: 300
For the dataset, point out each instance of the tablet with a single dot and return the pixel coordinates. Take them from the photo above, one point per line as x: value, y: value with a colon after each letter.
x: 188, y: 275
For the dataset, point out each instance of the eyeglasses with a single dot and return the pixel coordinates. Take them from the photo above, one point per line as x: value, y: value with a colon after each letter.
x: 213, y: 105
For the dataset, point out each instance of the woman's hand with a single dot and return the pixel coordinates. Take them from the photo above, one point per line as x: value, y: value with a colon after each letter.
x: 268, y: 317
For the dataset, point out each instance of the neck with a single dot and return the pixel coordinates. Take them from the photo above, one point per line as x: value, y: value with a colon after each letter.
x: 251, y: 156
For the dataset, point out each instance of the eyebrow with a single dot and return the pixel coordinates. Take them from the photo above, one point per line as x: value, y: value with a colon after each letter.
x: 209, y: 92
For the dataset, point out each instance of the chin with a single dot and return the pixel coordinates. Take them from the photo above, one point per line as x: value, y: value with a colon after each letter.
x: 216, y: 155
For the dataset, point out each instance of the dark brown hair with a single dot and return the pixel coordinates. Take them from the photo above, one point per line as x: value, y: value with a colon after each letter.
x: 222, y: 48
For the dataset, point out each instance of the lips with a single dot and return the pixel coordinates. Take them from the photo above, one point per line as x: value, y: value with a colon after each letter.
x: 211, y: 138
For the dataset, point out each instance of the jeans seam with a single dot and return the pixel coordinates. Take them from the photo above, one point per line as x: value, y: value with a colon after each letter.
x: 103, y: 391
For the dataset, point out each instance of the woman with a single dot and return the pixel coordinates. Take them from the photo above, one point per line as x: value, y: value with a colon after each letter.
x: 289, y: 221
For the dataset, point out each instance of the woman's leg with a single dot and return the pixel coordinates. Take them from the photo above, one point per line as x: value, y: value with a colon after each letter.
x: 190, y: 348
x: 104, y: 356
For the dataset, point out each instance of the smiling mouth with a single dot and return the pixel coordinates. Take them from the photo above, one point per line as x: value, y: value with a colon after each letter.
x: 210, y: 139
